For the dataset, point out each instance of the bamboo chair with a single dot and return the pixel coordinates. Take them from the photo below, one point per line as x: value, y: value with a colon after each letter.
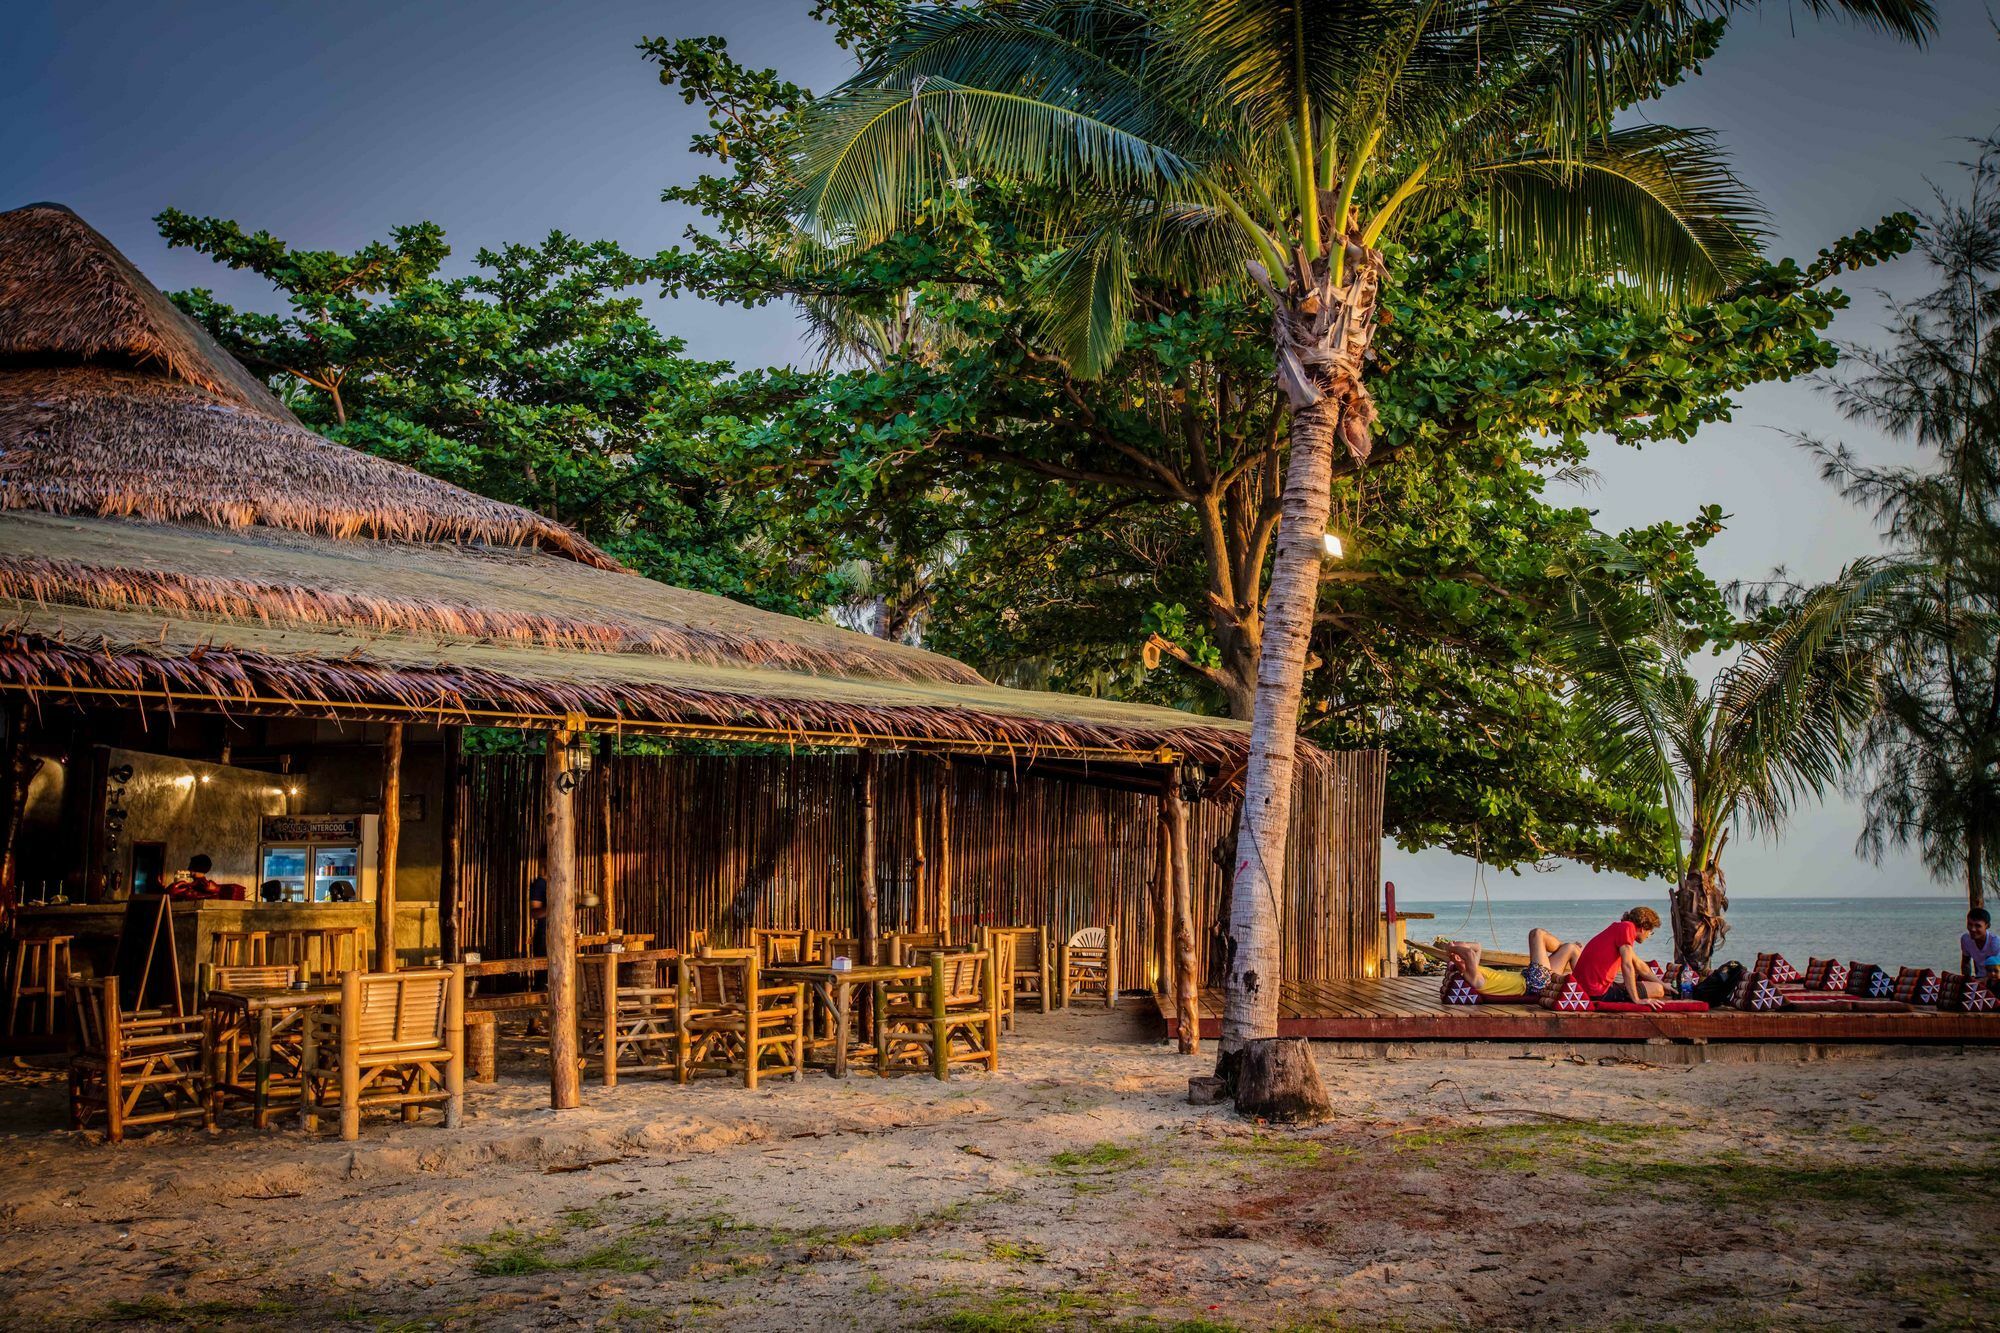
x: 730, y: 1022
x: 950, y: 1017
x: 780, y: 948
x: 1031, y: 980
x: 1004, y: 946
x: 638, y: 1032
x: 229, y: 1041
x: 1090, y: 966
x: 828, y: 945
x: 134, y: 1069
x: 322, y: 953
x: 397, y: 1040
x: 897, y: 946
x: 694, y: 942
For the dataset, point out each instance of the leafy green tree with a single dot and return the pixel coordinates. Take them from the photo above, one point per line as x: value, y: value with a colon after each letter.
x: 1192, y: 143
x: 1776, y: 727
x: 536, y: 379
x: 1932, y: 776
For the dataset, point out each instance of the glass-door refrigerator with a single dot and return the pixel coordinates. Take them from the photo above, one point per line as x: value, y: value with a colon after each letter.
x: 319, y: 858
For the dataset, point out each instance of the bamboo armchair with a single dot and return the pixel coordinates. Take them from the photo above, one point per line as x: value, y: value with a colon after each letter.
x: 134, y: 1069
x: 1089, y: 965
x: 639, y: 1031
x: 950, y: 1017
x: 828, y: 945
x: 1031, y: 978
x: 779, y: 948
x: 396, y: 1040
x: 730, y: 1022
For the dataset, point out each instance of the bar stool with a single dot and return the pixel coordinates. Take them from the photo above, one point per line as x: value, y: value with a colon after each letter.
x: 41, y: 970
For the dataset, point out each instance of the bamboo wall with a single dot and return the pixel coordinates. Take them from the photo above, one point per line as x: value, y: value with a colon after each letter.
x: 728, y: 842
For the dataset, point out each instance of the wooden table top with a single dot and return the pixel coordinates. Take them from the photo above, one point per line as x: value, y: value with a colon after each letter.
x: 274, y: 997
x: 859, y: 972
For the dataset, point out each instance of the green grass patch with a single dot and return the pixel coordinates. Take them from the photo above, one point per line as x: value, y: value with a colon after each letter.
x: 1534, y: 1146
x: 1284, y: 1150
x: 1017, y: 1251
x: 1888, y: 1189
x: 1098, y: 1157
x: 200, y: 1314
x: 515, y: 1253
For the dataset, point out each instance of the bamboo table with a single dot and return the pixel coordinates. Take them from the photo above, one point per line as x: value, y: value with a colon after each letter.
x: 274, y: 1010
x: 833, y: 989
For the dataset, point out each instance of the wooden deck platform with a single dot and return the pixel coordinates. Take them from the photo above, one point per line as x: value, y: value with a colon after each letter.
x: 1408, y: 1009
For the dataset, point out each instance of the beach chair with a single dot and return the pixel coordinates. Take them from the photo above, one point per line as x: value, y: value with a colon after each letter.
x: 134, y: 1069
x: 1032, y: 978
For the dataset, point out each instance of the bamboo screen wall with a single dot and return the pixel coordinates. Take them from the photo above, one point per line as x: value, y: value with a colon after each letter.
x: 728, y: 842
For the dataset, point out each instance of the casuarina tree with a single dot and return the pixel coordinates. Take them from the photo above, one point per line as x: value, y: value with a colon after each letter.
x: 1279, y: 144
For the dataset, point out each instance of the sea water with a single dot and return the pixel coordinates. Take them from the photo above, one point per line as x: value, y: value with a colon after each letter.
x: 1918, y: 931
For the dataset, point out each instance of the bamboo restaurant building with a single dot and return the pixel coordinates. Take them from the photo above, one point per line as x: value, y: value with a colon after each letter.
x: 221, y: 634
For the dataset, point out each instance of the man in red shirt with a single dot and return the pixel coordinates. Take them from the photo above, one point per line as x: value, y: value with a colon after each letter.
x: 1609, y: 969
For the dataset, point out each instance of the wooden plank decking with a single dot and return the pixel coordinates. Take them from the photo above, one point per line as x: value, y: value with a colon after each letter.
x: 1408, y: 1009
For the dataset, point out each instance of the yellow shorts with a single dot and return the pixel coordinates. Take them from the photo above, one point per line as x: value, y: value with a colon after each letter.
x: 1493, y: 981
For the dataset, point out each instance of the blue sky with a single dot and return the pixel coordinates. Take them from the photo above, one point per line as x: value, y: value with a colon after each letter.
x: 503, y: 120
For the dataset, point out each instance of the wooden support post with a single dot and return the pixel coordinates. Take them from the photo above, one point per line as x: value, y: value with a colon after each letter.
x: 348, y: 1054
x: 607, y: 885
x: 941, y: 914
x: 870, y: 901
x: 921, y: 914
x: 454, y: 848
x: 559, y: 869
x: 454, y: 1042
x: 1187, y: 985
x: 385, y: 863
x: 1162, y: 979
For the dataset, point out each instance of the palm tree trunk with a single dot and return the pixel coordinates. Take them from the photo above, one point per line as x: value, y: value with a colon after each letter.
x: 1975, y: 874
x: 1254, y: 949
x: 1700, y: 905
x: 1321, y: 335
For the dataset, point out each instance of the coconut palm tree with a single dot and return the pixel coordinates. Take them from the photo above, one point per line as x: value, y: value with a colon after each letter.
x: 1281, y: 143
x: 1773, y: 729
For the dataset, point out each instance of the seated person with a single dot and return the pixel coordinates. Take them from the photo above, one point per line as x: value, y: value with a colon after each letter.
x: 1548, y: 958
x: 1608, y: 967
x: 271, y: 891
x: 1978, y: 947
x: 194, y: 883
x: 340, y: 891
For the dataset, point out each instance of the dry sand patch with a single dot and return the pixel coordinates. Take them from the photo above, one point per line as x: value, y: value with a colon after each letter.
x: 1076, y: 1189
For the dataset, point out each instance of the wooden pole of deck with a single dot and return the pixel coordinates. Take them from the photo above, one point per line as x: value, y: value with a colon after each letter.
x: 871, y: 905
x: 559, y: 869
x: 942, y: 874
x: 391, y: 833
x: 454, y: 848
x: 1187, y: 986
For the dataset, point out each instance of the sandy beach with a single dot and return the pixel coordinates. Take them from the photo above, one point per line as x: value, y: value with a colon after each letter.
x: 1075, y: 1189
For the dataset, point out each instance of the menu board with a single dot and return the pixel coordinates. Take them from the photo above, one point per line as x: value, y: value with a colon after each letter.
x: 312, y: 828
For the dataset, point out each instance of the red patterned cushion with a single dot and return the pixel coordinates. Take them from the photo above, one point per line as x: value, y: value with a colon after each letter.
x: 1826, y: 974
x: 1964, y: 994
x: 1569, y: 997
x: 1756, y: 994
x: 1915, y: 985
x: 1861, y: 978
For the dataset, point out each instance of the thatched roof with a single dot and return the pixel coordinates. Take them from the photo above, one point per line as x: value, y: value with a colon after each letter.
x: 170, y: 536
x: 114, y: 402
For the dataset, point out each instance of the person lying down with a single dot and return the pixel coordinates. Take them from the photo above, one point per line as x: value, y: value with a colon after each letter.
x: 1548, y: 958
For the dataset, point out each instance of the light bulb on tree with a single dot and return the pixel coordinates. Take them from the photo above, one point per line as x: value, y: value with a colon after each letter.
x: 1332, y: 543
